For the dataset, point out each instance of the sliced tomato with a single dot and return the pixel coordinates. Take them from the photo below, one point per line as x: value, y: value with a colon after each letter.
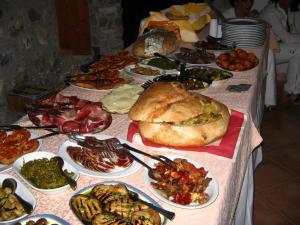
x: 3, y: 135
x: 16, y: 136
x: 30, y: 146
x: 183, y: 180
x: 183, y: 198
x: 202, y: 171
x: 9, y: 153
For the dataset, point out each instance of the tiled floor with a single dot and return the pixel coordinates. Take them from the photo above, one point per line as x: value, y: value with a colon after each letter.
x: 277, y: 178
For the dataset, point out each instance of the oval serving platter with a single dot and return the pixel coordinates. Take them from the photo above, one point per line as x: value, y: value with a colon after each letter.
x: 141, y: 194
x: 116, y: 173
x: 212, y: 189
x: 129, y: 70
x: 40, y: 155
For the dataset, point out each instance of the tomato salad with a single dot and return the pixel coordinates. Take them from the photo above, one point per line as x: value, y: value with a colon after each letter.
x: 183, y: 183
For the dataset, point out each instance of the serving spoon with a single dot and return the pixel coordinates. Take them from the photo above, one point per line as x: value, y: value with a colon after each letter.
x: 71, y: 182
x: 12, y: 184
x: 168, y: 214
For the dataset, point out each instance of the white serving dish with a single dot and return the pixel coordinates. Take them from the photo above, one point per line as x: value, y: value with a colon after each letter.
x: 116, y: 173
x: 23, y: 192
x: 128, y: 69
x: 212, y: 189
x: 39, y: 155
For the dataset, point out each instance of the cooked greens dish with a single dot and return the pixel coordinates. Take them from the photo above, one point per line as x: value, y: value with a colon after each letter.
x: 44, y: 173
x: 162, y: 63
x: 207, y: 74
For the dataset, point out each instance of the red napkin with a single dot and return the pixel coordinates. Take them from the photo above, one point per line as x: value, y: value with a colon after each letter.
x: 224, y: 148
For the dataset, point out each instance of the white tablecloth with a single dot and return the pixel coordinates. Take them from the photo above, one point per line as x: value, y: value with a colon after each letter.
x: 235, y: 176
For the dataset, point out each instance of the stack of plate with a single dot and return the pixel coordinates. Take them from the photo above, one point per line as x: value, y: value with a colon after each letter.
x: 244, y: 32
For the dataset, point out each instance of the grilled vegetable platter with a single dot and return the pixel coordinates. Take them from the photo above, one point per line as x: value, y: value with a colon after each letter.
x: 207, y: 74
x: 196, y: 77
x: 114, y: 202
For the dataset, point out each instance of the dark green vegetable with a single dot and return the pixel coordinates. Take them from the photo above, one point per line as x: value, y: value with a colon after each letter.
x: 208, y: 74
x: 163, y: 63
x: 44, y: 173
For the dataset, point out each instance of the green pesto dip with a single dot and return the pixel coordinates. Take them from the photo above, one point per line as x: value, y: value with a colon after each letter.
x: 44, y: 173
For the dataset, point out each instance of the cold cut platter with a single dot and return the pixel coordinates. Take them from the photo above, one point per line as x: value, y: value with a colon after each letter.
x: 70, y: 114
x: 89, y: 160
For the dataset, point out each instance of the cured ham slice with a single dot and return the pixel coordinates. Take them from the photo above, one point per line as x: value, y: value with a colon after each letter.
x: 71, y: 114
x: 93, y: 159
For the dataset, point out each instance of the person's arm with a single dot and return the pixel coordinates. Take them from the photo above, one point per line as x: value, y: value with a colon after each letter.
x: 280, y: 30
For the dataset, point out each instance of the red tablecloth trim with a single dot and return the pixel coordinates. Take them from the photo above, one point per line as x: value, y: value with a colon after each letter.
x: 225, y: 148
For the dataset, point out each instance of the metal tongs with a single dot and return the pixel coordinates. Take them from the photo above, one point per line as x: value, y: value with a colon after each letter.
x: 113, y: 144
x: 17, y: 127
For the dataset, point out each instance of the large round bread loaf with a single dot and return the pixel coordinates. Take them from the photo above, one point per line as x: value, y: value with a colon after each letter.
x: 170, y: 115
x: 163, y: 42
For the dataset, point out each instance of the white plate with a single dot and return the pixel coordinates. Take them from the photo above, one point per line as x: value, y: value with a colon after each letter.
x: 52, y: 219
x: 4, y: 167
x: 40, y: 155
x: 141, y: 194
x: 212, y: 189
x: 23, y: 192
x: 116, y: 173
x: 129, y: 80
x: 128, y: 69
x: 145, y: 62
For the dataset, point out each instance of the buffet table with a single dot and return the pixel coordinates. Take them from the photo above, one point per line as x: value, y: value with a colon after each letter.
x: 234, y: 175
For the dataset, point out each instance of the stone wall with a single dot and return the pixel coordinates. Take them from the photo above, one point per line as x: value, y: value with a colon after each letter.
x: 29, y: 48
x: 106, y: 25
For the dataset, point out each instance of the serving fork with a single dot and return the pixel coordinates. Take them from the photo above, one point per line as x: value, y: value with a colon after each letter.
x: 113, y: 144
x: 147, y: 84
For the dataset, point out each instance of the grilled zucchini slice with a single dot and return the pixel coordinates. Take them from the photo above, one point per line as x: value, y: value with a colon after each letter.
x: 85, y: 207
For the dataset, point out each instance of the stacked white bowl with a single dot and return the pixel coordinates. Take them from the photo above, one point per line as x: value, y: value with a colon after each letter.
x: 243, y: 32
